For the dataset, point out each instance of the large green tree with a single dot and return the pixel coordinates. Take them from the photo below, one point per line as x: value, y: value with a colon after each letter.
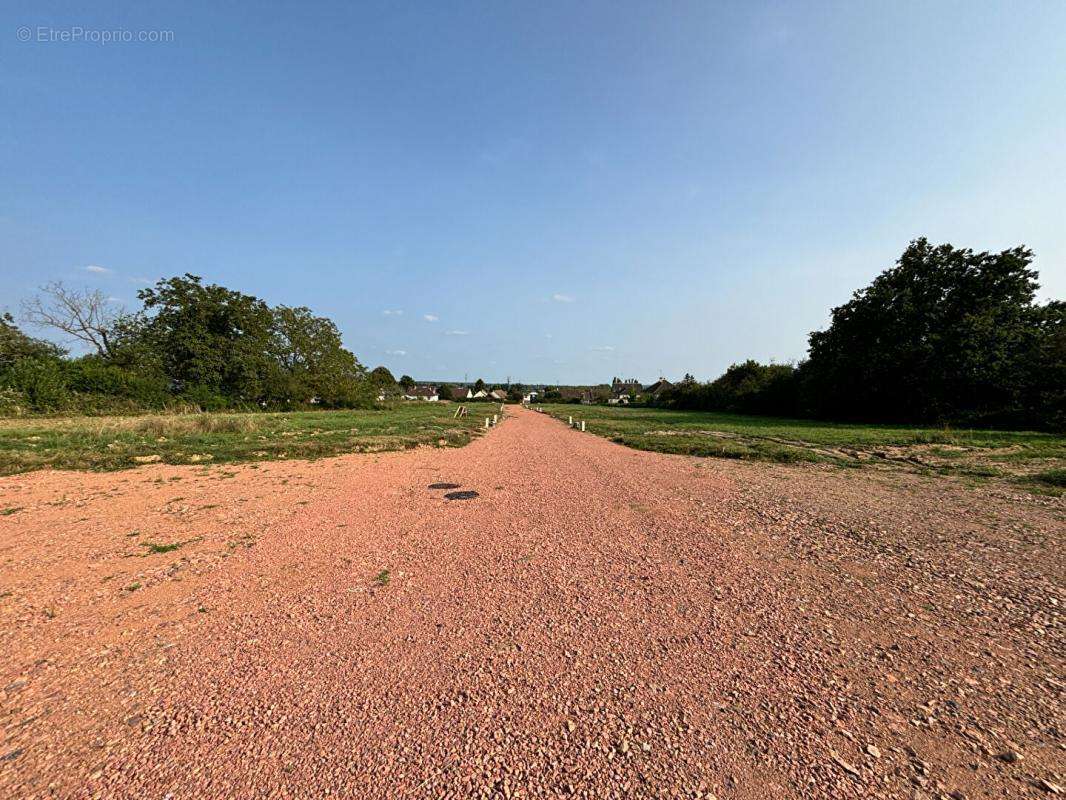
x: 945, y: 334
x: 210, y: 338
x: 313, y: 362
x: 383, y: 381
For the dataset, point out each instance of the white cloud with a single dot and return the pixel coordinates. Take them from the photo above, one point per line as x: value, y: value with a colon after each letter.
x: 396, y: 352
x: 114, y: 299
x: 457, y: 333
x: 393, y: 312
x: 602, y: 349
x: 140, y: 280
x: 97, y: 270
x: 430, y: 317
x: 558, y: 297
x: 547, y: 336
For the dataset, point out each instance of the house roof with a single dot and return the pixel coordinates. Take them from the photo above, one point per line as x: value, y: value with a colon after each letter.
x: 421, y: 391
x: 458, y: 392
x: 659, y: 386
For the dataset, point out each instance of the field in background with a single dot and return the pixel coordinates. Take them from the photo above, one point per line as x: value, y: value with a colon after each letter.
x: 109, y: 443
x: 1039, y: 459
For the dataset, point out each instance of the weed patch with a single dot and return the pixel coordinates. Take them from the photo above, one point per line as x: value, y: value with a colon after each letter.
x: 162, y: 548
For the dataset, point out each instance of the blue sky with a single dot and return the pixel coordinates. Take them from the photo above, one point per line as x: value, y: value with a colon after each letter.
x: 557, y: 192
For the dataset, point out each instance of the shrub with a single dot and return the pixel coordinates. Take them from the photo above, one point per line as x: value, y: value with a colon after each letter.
x: 41, y: 381
x: 204, y: 398
x: 748, y: 388
x: 91, y: 376
x: 13, y: 403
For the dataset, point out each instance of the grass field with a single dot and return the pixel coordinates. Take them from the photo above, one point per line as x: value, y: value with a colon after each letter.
x: 1037, y: 458
x: 109, y: 443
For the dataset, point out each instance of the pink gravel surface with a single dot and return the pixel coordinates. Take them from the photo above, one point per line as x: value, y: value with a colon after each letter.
x: 598, y: 622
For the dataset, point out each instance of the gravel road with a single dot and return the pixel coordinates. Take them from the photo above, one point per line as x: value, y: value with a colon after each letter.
x: 596, y: 622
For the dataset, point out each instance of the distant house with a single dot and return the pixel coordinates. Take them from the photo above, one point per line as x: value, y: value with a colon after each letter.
x: 530, y: 396
x: 460, y: 393
x: 498, y: 394
x: 658, y: 387
x: 480, y: 394
x: 593, y: 395
x: 622, y: 392
x: 571, y: 394
x: 427, y: 393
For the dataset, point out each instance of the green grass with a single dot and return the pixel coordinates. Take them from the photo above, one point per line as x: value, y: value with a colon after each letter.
x: 973, y: 452
x: 1050, y: 482
x: 110, y: 443
x: 1051, y: 477
x: 153, y: 547
x: 382, y: 578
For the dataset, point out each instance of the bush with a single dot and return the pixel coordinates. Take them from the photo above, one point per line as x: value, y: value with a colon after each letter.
x: 13, y: 403
x: 41, y: 381
x: 204, y: 398
x: 91, y: 376
x: 748, y: 388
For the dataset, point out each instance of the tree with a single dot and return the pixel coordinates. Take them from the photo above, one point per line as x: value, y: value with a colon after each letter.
x: 212, y: 346
x: 212, y: 338
x: 16, y: 345
x: 1044, y: 393
x: 383, y: 382
x: 479, y: 385
x: 312, y: 360
x: 946, y: 334
x: 406, y: 381
x: 382, y: 376
x: 85, y: 315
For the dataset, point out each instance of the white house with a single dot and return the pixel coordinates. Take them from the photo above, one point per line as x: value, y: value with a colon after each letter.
x: 427, y: 393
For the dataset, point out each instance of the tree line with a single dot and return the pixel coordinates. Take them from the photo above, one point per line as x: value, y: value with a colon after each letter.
x: 946, y: 335
x: 190, y: 343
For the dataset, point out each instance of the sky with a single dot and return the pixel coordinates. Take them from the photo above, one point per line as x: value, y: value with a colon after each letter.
x: 548, y: 191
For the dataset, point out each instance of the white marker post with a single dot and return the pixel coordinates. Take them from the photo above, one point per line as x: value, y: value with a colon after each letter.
x: 494, y: 420
x: 486, y: 422
x: 571, y: 422
x: 582, y: 426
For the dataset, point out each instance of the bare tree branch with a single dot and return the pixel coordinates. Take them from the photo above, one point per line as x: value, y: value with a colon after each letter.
x: 82, y: 314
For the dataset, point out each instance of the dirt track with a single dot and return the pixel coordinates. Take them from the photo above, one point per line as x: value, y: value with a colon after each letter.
x: 599, y: 622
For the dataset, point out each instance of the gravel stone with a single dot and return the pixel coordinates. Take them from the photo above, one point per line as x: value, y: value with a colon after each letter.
x: 604, y: 623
